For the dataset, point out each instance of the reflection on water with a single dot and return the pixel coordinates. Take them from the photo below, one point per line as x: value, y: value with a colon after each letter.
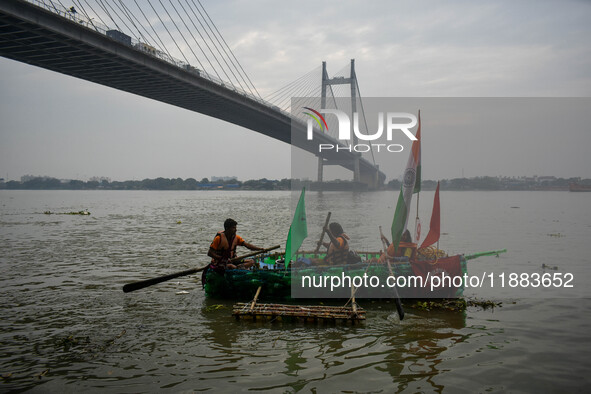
x: 66, y: 324
x: 289, y: 354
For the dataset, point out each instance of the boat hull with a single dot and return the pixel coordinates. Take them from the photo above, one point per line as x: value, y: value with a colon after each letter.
x: 414, y: 279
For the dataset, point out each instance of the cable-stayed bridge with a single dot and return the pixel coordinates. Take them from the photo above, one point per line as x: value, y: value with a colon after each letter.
x: 76, y: 41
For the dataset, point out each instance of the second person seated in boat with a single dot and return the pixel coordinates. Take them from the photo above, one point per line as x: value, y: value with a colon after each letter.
x: 406, y: 248
x: 338, y: 247
x: 223, y: 247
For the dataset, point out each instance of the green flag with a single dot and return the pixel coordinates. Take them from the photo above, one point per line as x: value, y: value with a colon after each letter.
x: 298, y: 231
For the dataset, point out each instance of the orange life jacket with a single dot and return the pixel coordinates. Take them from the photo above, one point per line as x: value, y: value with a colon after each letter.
x: 337, y: 256
x: 407, y: 249
x: 224, y: 249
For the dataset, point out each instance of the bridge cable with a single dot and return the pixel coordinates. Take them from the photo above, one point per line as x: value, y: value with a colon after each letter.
x: 65, y: 9
x: 302, y: 91
x: 96, y: 13
x: 162, y: 47
x: 334, y: 100
x: 204, y: 40
x: 310, y: 93
x: 104, y: 8
x: 222, y: 37
x: 305, y: 89
x: 292, y: 92
x: 80, y: 6
x: 127, y: 12
x: 152, y: 27
x: 287, y: 91
x: 152, y: 40
x: 131, y: 31
x: 191, y: 33
x: 275, y: 93
x: 219, y: 52
x: 230, y: 49
x: 204, y: 55
x: 364, y: 118
x: 166, y: 28
x: 179, y: 31
x: 55, y: 8
x: 214, y: 69
x: 194, y: 39
x: 222, y: 56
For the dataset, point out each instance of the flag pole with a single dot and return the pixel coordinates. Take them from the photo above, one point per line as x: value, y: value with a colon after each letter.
x: 437, y: 250
x: 417, y: 218
x: 418, y: 179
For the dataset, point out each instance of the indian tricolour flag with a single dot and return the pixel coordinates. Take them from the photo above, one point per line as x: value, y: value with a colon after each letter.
x: 410, y: 184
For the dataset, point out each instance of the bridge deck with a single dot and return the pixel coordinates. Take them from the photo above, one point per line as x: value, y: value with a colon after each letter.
x: 35, y: 36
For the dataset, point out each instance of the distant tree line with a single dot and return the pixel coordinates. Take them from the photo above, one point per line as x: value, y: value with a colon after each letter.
x: 497, y: 183
x: 48, y: 183
x: 477, y: 183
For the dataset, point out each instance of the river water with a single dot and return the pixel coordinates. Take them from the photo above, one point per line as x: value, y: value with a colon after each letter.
x: 67, y: 326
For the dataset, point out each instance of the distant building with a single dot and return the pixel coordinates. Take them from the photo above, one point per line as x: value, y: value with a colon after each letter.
x: 26, y: 178
x: 211, y: 186
x: 100, y: 179
x: 223, y: 178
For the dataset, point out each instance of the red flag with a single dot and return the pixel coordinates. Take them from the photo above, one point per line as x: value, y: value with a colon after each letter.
x: 445, y: 267
x: 434, y: 226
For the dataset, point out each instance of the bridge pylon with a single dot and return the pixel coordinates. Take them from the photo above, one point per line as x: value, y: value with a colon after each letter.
x: 326, y: 82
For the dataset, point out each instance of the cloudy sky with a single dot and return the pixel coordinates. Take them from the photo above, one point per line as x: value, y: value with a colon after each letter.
x: 55, y: 125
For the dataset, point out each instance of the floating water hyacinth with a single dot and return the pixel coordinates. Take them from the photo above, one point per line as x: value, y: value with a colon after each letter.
x: 84, y: 213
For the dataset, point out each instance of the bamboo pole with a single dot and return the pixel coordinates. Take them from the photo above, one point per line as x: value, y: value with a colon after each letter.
x: 255, y: 298
x: 322, y: 235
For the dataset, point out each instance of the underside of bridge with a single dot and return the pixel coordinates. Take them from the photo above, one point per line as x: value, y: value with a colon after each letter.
x: 35, y: 36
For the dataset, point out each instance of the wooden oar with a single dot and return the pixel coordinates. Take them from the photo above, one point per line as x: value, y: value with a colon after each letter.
x: 322, y: 235
x: 397, y: 297
x: 491, y: 253
x: 149, y: 282
x: 382, y: 238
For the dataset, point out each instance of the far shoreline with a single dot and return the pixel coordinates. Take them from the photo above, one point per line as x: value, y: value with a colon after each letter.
x: 232, y: 184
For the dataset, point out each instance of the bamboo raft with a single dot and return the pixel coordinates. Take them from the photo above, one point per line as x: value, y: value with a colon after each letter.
x: 305, y: 312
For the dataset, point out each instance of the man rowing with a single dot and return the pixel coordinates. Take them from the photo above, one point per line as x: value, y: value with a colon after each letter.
x: 223, y: 247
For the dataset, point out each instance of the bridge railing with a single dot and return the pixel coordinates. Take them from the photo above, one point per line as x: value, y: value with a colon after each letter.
x: 72, y: 15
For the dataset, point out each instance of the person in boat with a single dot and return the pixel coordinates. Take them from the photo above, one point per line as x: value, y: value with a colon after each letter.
x: 338, y: 247
x: 223, y: 247
x: 406, y: 248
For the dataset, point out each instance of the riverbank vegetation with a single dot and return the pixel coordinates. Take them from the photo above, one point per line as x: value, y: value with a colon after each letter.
x: 476, y: 183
